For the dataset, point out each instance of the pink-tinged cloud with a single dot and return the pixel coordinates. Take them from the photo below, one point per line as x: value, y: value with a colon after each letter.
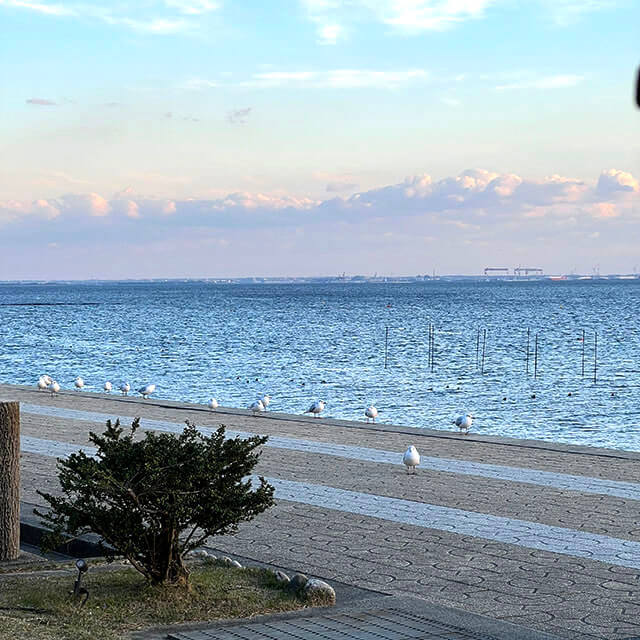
x: 605, y: 210
x: 43, y: 102
x: 476, y: 194
x: 613, y: 181
x: 411, y: 227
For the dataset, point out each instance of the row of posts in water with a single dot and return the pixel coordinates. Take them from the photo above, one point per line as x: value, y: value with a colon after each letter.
x: 481, y: 348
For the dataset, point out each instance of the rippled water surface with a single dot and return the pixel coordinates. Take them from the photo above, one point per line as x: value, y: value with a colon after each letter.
x: 303, y: 342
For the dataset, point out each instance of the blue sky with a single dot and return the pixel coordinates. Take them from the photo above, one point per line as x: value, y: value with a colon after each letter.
x: 182, y: 134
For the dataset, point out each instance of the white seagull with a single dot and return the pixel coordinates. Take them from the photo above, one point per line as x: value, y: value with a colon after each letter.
x: 79, y: 383
x: 108, y: 386
x: 411, y: 458
x: 147, y: 390
x: 42, y: 383
x: 316, y: 408
x: 213, y: 404
x: 371, y: 412
x: 464, y: 423
x: 125, y: 387
x: 266, y: 400
x: 55, y: 387
x: 256, y: 406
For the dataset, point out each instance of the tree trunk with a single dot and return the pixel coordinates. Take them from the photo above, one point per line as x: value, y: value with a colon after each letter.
x: 9, y: 480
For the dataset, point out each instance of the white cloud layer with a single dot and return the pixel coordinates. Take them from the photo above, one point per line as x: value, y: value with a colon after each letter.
x: 156, y: 17
x: 561, y: 219
x: 485, y: 196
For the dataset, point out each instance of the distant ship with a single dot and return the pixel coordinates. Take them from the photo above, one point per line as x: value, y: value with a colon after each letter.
x: 557, y: 277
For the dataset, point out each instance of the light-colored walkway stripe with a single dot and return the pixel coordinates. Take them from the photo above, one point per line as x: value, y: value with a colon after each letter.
x: 562, y: 481
x: 533, y: 535
x: 51, y: 448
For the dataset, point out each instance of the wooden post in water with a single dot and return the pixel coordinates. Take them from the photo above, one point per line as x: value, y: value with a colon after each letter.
x: 386, y: 345
x: 433, y: 346
x: 528, y: 336
x: 484, y: 345
x: 583, y: 336
x: 595, y: 357
x: 535, y: 360
x: 9, y: 480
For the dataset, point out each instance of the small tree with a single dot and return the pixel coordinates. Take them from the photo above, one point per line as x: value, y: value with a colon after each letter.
x: 156, y: 498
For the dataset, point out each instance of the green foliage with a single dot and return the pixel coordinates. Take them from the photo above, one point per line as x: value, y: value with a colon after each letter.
x: 155, y: 498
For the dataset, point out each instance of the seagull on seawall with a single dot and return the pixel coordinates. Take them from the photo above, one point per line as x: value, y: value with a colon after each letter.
x: 42, y: 383
x: 79, y: 382
x: 464, y: 423
x: 411, y: 458
x: 213, y: 404
x: 55, y: 387
x: 266, y: 401
x: 316, y: 408
x: 371, y: 412
x: 125, y: 387
x: 147, y: 390
x: 256, y: 406
x: 108, y: 386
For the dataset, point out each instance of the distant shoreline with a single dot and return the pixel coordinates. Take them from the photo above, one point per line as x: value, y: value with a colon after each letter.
x: 256, y: 280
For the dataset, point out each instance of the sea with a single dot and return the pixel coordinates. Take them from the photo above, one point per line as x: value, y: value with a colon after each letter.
x: 549, y: 360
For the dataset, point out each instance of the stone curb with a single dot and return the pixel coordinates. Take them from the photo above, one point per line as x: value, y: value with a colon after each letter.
x: 416, y: 432
x: 32, y: 531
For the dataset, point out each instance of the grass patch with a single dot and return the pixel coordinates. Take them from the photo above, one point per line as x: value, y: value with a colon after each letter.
x: 120, y: 602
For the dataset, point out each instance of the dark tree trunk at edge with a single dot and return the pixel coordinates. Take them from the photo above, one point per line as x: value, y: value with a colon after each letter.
x: 9, y: 480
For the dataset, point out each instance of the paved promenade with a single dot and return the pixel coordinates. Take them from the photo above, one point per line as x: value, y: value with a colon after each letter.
x: 540, y: 535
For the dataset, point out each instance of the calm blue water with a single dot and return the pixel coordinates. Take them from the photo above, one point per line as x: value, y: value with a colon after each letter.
x: 304, y: 342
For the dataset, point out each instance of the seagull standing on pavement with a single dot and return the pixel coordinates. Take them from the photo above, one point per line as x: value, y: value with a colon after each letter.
x: 147, y: 390
x: 213, y: 404
x: 266, y: 400
x: 55, y: 387
x: 316, y: 408
x: 371, y: 412
x: 42, y: 383
x: 411, y: 458
x: 464, y: 423
x: 125, y: 387
x: 256, y: 406
x: 108, y: 386
x: 79, y: 383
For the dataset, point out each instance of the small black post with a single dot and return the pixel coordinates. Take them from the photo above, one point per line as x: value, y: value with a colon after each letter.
x: 595, y: 357
x: 477, y: 348
x: 535, y: 360
x: 386, y: 345
x: 484, y: 345
x: 528, y: 336
x: 583, y: 353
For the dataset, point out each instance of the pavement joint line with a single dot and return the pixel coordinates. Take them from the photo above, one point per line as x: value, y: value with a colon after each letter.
x: 416, y: 432
x: 532, y: 535
x: 561, y: 481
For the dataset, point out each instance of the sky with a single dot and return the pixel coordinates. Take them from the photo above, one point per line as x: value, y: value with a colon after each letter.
x: 222, y: 138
